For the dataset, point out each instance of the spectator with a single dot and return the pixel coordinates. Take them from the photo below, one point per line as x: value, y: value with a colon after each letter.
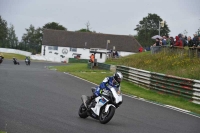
x: 198, y: 41
x: 140, y: 49
x: 92, y: 58
x: 184, y: 40
x: 157, y: 43
x: 195, y: 40
x: 190, y: 42
x: 117, y: 54
x: 164, y: 40
x: 168, y: 40
x: 179, y: 42
x: 171, y: 41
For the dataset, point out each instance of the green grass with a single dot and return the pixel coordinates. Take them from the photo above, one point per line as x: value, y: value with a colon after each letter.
x: 96, y: 76
x: 163, y: 62
x: 11, y: 55
x: 2, y: 132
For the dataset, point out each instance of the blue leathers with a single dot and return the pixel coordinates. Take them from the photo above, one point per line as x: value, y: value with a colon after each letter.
x: 107, y: 83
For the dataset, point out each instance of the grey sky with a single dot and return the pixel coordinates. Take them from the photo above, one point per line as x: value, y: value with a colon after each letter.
x: 105, y: 16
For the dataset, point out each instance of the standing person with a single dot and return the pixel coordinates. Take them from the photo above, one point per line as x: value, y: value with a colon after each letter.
x: 157, y: 43
x: 92, y: 58
x: 179, y: 42
x: 195, y: 40
x: 190, y: 42
x: 167, y: 40
x: 113, y: 81
x: 164, y: 40
x: 198, y: 42
x: 171, y: 41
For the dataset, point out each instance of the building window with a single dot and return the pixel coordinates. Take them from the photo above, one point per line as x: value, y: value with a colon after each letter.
x: 100, y: 55
x: 52, y: 47
x: 73, y: 49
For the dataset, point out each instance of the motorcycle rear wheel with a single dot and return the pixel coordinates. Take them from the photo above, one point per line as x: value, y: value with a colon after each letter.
x: 82, y: 111
x: 106, y: 117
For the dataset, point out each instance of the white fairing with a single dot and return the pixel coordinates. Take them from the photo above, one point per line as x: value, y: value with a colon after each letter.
x: 26, y: 60
x: 118, y: 97
x: 102, y: 100
x: 99, y: 104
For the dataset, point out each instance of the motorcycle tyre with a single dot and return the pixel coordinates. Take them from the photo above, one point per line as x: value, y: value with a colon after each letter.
x: 108, y: 117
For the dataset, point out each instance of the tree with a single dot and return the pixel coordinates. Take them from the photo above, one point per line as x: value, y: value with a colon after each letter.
x: 84, y: 30
x: 32, y: 39
x: 3, y: 32
x: 12, y: 40
x: 148, y: 27
x: 54, y: 26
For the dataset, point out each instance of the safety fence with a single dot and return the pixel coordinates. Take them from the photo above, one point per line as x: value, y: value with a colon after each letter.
x: 183, y: 87
x: 181, y: 51
x: 76, y: 60
x: 102, y: 66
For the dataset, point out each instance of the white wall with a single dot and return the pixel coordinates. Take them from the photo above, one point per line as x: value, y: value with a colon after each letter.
x: 122, y: 53
x: 15, y: 51
x: 85, y: 54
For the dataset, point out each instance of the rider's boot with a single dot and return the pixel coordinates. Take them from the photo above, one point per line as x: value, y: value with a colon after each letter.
x: 90, y: 98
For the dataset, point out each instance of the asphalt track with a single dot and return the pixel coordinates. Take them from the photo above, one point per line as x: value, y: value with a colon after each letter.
x: 34, y: 99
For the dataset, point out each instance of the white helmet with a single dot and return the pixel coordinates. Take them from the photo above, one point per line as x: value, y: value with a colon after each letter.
x: 118, y: 77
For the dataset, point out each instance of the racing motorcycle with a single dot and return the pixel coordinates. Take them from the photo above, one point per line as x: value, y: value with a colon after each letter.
x: 27, y: 61
x: 15, y: 61
x: 1, y: 59
x: 102, y: 107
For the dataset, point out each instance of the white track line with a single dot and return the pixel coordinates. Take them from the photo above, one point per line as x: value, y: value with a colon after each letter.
x: 142, y: 99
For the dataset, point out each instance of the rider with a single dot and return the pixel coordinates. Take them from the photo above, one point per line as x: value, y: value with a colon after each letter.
x: 27, y: 58
x: 112, y: 81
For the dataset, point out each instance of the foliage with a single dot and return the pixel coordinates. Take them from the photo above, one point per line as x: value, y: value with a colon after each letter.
x: 148, y: 27
x: 84, y: 30
x: 54, y: 26
x: 167, y: 63
x: 32, y: 39
x: 3, y: 32
x: 12, y: 40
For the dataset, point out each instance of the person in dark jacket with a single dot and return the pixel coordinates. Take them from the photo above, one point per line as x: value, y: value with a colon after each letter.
x: 190, y: 42
x: 157, y: 43
x: 171, y: 41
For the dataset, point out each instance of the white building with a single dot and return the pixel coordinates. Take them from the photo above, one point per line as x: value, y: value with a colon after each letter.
x: 59, y: 45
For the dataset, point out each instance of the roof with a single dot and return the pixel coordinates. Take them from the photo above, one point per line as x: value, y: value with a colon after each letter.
x: 89, y: 40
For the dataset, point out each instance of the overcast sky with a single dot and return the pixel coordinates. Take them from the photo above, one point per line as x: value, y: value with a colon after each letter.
x: 105, y: 16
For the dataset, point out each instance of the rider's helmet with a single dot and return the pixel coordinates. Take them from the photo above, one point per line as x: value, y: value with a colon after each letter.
x: 118, y: 77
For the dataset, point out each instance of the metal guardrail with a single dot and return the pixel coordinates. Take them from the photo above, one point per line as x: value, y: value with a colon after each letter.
x: 191, y: 51
x: 75, y: 60
x: 183, y: 87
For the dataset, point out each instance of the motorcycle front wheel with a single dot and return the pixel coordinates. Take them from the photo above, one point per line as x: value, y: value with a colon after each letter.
x: 82, y: 111
x: 105, y: 117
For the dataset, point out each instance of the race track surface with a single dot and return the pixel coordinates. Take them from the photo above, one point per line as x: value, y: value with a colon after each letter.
x: 34, y: 99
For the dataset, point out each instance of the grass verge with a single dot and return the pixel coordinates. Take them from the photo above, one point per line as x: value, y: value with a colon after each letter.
x: 170, y: 63
x: 11, y: 55
x: 96, y: 76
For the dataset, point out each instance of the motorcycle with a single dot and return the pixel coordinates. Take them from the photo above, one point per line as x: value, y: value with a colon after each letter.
x: 27, y: 61
x: 101, y: 108
x: 1, y: 59
x: 15, y: 62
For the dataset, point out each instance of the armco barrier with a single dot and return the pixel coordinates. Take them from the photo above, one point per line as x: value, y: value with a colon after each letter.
x: 183, y: 87
x: 75, y: 60
x: 103, y: 66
